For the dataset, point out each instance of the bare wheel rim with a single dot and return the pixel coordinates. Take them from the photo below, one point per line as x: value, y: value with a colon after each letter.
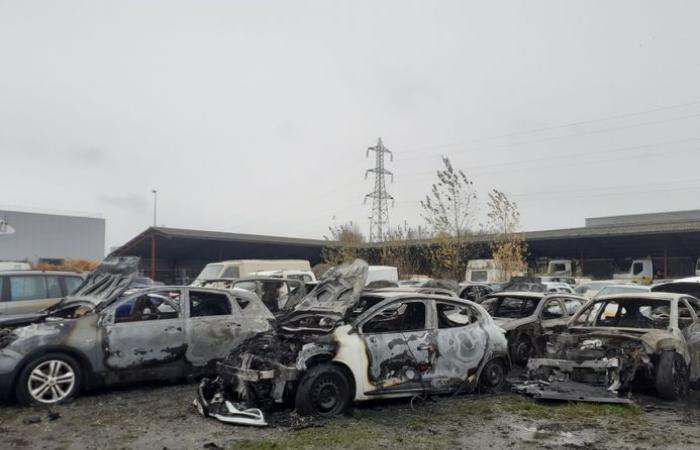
x: 51, y: 381
x: 325, y: 395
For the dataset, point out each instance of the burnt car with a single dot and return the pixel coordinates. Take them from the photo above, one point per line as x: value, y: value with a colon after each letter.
x: 107, y: 333
x: 528, y: 316
x: 278, y: 294
x: 342, y: 344
x: 620, y: 342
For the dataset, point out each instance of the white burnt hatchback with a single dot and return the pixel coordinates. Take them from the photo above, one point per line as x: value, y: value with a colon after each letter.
x: 341, y: 344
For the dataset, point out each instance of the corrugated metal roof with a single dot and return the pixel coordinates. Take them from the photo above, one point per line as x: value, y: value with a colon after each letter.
x: 239, y: 237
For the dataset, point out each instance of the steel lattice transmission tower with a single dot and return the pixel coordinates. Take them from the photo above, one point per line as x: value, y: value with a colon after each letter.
x: 379, y: 220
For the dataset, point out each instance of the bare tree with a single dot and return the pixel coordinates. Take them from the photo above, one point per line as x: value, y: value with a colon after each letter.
x: 401, y: 249
x: 509, y: 248
x: 449, y: 211
x: 346, y: 243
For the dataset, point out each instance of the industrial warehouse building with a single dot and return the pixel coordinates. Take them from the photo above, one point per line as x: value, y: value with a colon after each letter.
x: 35, y: 237
x: 602, y: 247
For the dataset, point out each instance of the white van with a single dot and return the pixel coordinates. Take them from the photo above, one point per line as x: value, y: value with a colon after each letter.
x: 14, y: 265
x: 382, y: 273
x: 239, y: 268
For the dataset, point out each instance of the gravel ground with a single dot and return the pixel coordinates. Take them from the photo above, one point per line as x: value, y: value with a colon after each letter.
x: 163, y: 417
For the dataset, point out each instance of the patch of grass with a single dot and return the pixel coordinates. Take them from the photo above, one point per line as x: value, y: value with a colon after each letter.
x: 346, y: 433
x: 568, y: 411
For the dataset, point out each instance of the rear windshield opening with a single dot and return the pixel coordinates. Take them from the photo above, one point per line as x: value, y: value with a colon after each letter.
x: 511, y: 307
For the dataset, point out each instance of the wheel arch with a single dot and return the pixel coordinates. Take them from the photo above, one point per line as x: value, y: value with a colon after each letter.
x: 83, y: 361
x: 328, y: 359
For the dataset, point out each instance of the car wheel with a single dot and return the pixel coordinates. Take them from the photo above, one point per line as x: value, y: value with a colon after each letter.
x: 323, y: 391
x: 493, y: 377
x: 49, y: 379
x: 672, y: 380
x: 521, y: 351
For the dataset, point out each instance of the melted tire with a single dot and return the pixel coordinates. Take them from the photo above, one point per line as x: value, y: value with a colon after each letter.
x: 493, y: 377
x: 672, y: 379
x: 323, y: 391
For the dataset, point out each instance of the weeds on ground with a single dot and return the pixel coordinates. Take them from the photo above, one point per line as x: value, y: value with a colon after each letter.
x: 406, y: 426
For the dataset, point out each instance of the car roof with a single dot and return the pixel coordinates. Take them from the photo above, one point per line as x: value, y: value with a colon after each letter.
x: 661, y: 296
x: 39, y: 272
x: 520, y: 294
x: 393, y: 294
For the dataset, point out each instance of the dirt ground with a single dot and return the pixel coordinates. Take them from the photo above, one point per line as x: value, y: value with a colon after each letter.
x: 163, y: 417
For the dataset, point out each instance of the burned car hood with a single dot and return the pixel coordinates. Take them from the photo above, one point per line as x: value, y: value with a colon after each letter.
x: 13, y: 320
x: 337, y: 292
x: 104, y: 285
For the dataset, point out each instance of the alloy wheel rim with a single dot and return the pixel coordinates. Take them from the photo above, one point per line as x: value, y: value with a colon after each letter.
x: 51, y: 381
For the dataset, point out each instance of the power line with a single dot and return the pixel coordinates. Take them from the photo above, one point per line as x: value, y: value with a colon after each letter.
x: 549, y: 128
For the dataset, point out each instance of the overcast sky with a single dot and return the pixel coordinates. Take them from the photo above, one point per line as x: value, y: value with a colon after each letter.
x: 254, y: 116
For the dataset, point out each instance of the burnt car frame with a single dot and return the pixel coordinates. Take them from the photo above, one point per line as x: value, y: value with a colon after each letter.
x: 278, y: 294
x: 341, y: 345
x: 94, y: 340
x: 528, y: 316
x: 620, y: 342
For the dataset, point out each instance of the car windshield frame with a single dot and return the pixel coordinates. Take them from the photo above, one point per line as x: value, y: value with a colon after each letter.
x: 654, y: 314
x: 524, y: 312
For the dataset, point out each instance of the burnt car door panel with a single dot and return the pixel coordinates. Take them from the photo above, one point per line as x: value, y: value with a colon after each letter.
x: 143, y: 336
x: 214, y: 327
x: 553, y: 316
x: 461, y: 346
x: 399, y: 347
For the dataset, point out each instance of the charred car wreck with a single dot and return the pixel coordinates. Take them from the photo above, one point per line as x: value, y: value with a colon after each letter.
x: 528, y: 316
x: 108, y: 333
x: 341, y: 344
x: 617, y: 343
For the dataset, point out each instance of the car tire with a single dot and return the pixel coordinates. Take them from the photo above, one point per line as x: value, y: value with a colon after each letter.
x: 48, y: 380
x: 672, y: 379
x: 521, y: 350
x: 323, y: 391
x: 493, y: 377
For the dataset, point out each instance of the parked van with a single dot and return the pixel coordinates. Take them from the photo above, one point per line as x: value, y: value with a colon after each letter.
x: 14, y: 265
x: 485, y: 271
x: 239, y: 268
x: 382, y: 273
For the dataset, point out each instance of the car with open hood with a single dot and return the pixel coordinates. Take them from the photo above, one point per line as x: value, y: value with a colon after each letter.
x: 620, y: 342
x: 528, y: 316
x: 342, y: 344
x: 110, y: 333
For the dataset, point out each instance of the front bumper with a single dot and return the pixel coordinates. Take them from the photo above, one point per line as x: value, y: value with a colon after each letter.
x: 6, y: 385
x: 215, y: 406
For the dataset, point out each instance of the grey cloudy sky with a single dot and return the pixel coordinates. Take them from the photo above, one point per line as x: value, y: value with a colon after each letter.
x: 254, y: 116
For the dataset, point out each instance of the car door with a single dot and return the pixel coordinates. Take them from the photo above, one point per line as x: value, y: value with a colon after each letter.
x: 143, y: 336
x: 400, y: 347
x: 215, y: 325
x: 461, y: 345
x: 553, y: 315
x: 32, y: 293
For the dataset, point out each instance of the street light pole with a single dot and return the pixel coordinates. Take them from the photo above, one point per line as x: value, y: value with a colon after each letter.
x: 155, y: 205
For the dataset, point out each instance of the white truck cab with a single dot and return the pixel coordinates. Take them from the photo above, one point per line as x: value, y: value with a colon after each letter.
x: 641, y: 272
